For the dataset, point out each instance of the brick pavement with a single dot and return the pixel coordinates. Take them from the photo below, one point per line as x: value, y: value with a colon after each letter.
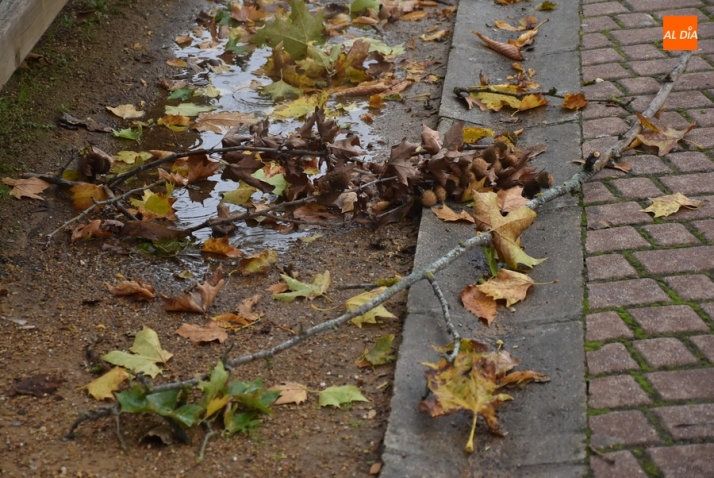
x: 649, y: 324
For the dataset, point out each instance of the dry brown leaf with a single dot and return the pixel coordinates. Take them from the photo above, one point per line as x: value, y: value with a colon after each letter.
x: 30, y: 187
x: 197, y: 334
x: 221, y: 245
x: 511, y: 51
x: 413, y: 16
x: 665, y: 139
x: 668, y: 205
x: 223, y: 120
x: 87, y: 231
x: 183, y: 40
x: 445, y: 213
x: 509, y: 285
x: 290, y: 392
x: 199, y: 298
x: 511, y: 199
x: 177, y: 63
x: 232, y: 321
x: 135, y: 289
x: 126, y: 111
x: 245, y: 308
x: 478, y: 303
x: 575, y: 101
x: 173, y: 178
x: 278, y: 288
x: 84, y: 194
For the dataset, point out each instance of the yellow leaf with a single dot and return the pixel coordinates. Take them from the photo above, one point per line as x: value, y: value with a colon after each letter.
x: 221, y: 245
x: 473, y: 134
x: 668, y: 205
x: 575, y: 101
x: 290, y: 392
x: 532, y: 101
x: 83, y: 193
x: 102, y: 388
x: 216, y: 404
x: 370, y: 317
x: 509, y: 285
x: 445, y: 213
x: 126, y: 111
x: 665, y: 139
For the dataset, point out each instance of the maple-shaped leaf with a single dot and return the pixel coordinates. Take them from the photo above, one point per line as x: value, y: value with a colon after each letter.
x: 494, y: 101
x: 83, y: 232
x: 511, y: 199
x: 102, y: 388
x: 135, y: 289
x: 27, y: 187
x: 156, y: 205
x: 147, y: 352
x: 445, y: 213
x: 473, y: 134
x: 172, y: 178
x: 196, y: 168
x: 84, y: 194
x: 369, y: 317
x: 223, y: 120
x: 290, y: 392
x: 215, y: 385
x: 665, y: 139
x: 379, y: 354
x: 532, y: 101
x: 258, y: 263
x: 509, y: 285
x: 296, y: 33
x: 505, y: 229
x: 668, y: 205
x: 199, y: 297
x: 338, y: 396
x: 478, y: 303
x: 317, y: 288
x: 472, y: 383
x: 574, y: 101
x: 511, y: 51
x: 430, y: 140
x: 241, y: 195
x: 280, y: 90
x: 400, y: 164
x: 198, y: 334
x: 221, y: 245
x: 126, y: 111
x: 177, y: 123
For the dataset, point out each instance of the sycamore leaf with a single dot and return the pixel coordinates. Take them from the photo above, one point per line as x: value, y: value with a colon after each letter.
x: 84, y: 193
x: 276, y: 180
x: 86, y: 231
x: 360, y: 5
x: 505, y: 229
x: 296, y: 33
x: 222, y: 120
x: 131, y: 157
x: 507, y: 26
x: 445, y: 213
x: 102, y: 388
x: 379, y: 354
x: 377, y: 45
x: 241, y: 195
x: 146, y: 343
x: 300, y: 107
x: 210, y: 91
x: 215, y: 385
x: 221, y: 245
x: 665, y: 139
x: 338, y: 396
x: 532, y: 101
x: 136, y: 289
x: 478, y: 303
x: 198, y: 298
x: 156, y: 205
x: 133, y: 133
x: 473, y: 134
x: 30, y: 187
x: 668, y: 205
x: 280, y: 90
x: 290, y: 392
x: 317, y: 288
x: 198, y: 334
x: 494, y: 101
x: 511, y: 51
x: 472, y: 383
x: 147, y: 353
x: 182, y: 94
x: 509, y: 285
x: 575, y: 101
x: 178, y: 123
x: 232, y: 321
x: 370, y: 317
x: 258, y: 263
x: 511, y: 199
x: 126, y: 111
x: 188, y: 109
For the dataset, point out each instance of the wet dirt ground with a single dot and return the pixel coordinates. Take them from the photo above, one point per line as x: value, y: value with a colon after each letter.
x: 97, y: 54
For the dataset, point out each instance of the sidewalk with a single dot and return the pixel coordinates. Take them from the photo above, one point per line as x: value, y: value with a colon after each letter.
x: 626, y: 333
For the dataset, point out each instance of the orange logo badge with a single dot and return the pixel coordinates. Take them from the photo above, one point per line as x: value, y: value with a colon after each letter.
x: 679, y: 33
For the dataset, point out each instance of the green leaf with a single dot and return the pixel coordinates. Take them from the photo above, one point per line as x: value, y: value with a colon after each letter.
x: 300, y: 289
x: 133, y: 133
x: 215, y: 385
x: 379, y: 354
x: 546, y: 6
x: 188, y: 109
x: 492, y: 260
x: 184, y: 93
x: 235, y: 48
x: 164, y: 402
x: 277, y: 180
x: 370, y: 317
x: 188, y: 414
x: 133, y: 400
x: 209, y: 91
x: 241, y: 422
x: 146, y: 343
x: 238, y: 388
x: 280, y: 90
x: 296, y: 33
x: 135, y: 363
x: 360, y: 5
x: 241, y: 195
x: 338, y: 396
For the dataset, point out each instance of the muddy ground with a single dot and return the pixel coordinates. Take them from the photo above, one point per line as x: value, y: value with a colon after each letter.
x: 95, y: 54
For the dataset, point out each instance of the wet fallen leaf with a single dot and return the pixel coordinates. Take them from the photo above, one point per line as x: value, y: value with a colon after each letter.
x: 338, y: 396
x: 241, y: 195
x: 223, y: 120
x: 198, y: 334
x: 472, y: 383
x: 147, y: 352
x: 574, y: 101
x: 30, y: 187
x: 85, y: 194
x: 102, y: 388
x: 177, y: 123
x: 296, y: 33
x: 183, y: 40
x: 290, y: 392
x: 667, y: 205
x: 126, y: 111
x: 369, y: 317
x: 177, y: 63
x: 83, y: 232
x: 258, y: 263
x: 151, y: 231
x: 317, y: 288
x: 133, y: 133
x: 445, y: 213
x: 136, y: 289
x: 221, y: 245
x: 509, y: 285
x: 280, y: 90
x: 156, y: 205
x: 188, y: 109
x: 198, y: 298
x: 379, y: 354
x: 505, y: 229
x: 478, y: 303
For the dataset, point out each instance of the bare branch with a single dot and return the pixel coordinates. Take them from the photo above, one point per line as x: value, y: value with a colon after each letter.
x: 447, y: 317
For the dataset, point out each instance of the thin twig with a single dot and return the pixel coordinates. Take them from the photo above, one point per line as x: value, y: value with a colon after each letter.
x: 117, y: 414
x: 447, y: 317
x: 90, y: 415
x: 207, y: 437
x: 117, y: 203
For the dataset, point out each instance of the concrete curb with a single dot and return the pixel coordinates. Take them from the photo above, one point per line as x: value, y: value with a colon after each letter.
x: 545, y: 423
